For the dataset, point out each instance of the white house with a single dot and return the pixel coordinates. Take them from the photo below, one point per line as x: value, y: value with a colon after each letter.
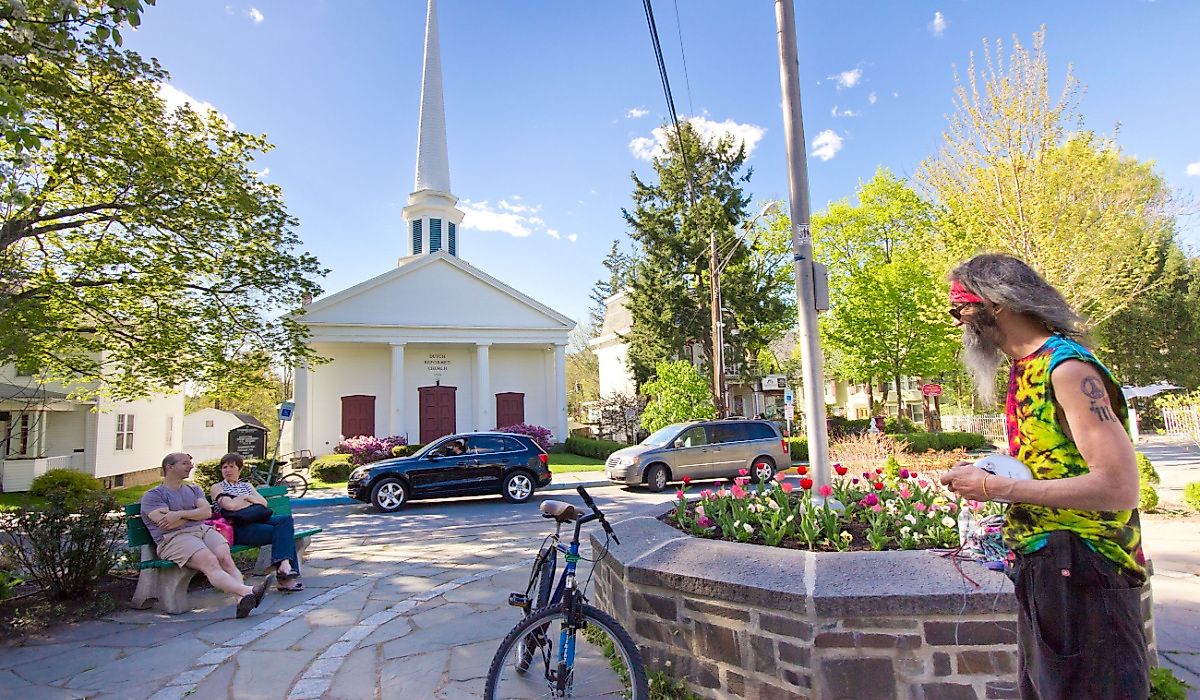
x: 122, y: 443
x: 435, y: 346
x: 206, y: 432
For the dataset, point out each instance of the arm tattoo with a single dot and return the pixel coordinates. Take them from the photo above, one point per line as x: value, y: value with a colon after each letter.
x: 1094, y: 390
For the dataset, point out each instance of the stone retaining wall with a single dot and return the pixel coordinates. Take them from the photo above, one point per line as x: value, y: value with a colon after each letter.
x: 747, y: 621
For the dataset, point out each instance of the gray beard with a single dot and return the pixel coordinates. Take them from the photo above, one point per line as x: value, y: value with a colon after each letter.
x: 982, y: 358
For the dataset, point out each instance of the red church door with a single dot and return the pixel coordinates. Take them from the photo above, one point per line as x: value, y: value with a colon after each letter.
x: 358, y: 415
x: 510, y: 409
x: 437, y: 412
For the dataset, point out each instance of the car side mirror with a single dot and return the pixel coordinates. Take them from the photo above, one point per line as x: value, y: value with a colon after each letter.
x: 432, y: 456
x: 678, y: 444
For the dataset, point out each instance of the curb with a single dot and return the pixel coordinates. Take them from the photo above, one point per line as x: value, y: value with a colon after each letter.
x: 325, y: 501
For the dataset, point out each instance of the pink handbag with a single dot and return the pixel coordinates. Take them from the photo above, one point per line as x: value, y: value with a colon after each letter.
x: 222, y: 526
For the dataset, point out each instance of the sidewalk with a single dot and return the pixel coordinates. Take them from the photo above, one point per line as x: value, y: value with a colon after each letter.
x: 565, y: 481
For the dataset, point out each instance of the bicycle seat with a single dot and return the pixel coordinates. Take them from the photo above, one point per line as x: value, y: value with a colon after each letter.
x: 562, y: 512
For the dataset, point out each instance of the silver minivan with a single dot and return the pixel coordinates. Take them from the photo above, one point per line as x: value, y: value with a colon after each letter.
x: 715, y: 449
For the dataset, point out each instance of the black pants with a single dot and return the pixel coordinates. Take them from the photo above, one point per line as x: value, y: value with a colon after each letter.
x: 1079, y: 625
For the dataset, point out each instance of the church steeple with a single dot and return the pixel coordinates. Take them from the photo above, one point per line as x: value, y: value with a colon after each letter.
x: 431, y: 217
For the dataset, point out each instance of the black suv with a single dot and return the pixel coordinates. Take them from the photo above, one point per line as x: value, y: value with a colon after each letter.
x: 473, y: 464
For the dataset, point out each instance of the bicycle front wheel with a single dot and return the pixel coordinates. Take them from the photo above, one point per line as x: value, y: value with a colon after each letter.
x: 296, y: 485
x: 605, y: 664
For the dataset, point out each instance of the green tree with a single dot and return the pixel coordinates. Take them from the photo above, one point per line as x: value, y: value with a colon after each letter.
x: 697, y: 192
x: 138, y: 246
x: 260, y: 399
x: 677, y: 393
x: 888, y: 306
x: 1017, y: 174
x: 617, y: 264
x: 583, y: 372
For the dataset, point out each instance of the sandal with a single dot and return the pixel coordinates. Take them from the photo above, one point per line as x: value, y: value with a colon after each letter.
x: 252, y: 600
x: 289, y: 585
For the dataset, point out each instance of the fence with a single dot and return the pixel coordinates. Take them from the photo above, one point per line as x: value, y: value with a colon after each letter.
x: 1182, y: 422
x: 991, y: 427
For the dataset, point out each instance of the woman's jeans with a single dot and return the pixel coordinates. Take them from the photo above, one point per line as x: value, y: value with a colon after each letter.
x: 278, y: 531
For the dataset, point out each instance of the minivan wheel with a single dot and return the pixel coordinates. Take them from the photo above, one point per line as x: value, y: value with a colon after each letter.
x: 656, y: 478
x: 389, y: 495
x: 763, y: 470
x: 517, y: 487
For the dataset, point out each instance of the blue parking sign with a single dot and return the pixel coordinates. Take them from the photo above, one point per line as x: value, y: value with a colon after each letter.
x: 286, y: 409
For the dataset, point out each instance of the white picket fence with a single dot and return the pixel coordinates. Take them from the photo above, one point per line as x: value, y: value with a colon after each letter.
x: 991, y: 427
x: 1182, y: 422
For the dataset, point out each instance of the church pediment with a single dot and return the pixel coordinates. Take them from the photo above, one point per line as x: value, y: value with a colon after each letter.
x: 434, y: 290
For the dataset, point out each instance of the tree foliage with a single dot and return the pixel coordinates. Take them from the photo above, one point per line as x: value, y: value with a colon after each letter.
x: 1017, y: 174
x: 698, y: 192
x: 617, y: 264
x: 583, y: 372
x: 888, y: 317
x: 138, y: 246
x: 260, y: 399
x: 677, y: 393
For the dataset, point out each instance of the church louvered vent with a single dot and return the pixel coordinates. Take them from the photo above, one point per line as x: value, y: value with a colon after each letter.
x: 453, y: 239
x: 435, y: 235
x: 416, y: 236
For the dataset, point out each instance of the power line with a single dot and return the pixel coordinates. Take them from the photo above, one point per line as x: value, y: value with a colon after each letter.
x: 666, y: 85
x: 686, y: 81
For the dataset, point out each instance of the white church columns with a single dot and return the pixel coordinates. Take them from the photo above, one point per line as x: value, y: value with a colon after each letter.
x: 559, y: 397
x: 483, y: 387
x: 396, y: 397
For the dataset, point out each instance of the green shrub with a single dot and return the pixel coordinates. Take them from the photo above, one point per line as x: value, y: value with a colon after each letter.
x: 1191, y: 495
x: 943, y: 442
x: 206, y: 473
x: 892, y: 468
x: 900, y: 426
x: 66, y: 546
x: 64, y: 485
x: 1147, y: 496
x: 332, y: 468
x: 798, y: 447
x: 587, y: 447
x: 1146, y: 470
x: 1165, y: 686
x: 8, y: 581
x: 405, y: 450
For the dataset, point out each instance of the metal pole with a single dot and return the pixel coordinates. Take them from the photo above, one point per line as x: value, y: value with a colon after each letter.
x: 810, y: 342
x: 717, y: 338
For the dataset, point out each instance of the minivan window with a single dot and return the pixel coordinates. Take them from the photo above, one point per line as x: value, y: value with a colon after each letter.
x: 694, y: 437
x: 729, y: 432
x: 761, y: 431
x: 662, y: 436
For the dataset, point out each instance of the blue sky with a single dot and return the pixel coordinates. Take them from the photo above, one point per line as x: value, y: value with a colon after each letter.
x: 549, y: 103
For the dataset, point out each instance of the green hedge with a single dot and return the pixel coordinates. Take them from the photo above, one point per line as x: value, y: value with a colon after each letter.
x: 64, y: 485
x: 1146, y: 470
x: 405, y: 450
x: 332, y: 468
x: 587, y: 447
x: 943, y: 442
x: 798, y: 446
x: 1191, y: 495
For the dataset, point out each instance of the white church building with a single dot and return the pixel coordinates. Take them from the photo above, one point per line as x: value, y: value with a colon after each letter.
x: 434, y: 346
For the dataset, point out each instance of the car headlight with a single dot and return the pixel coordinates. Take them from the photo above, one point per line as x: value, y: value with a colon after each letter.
x: 628, y: 461
x: 358, y: 474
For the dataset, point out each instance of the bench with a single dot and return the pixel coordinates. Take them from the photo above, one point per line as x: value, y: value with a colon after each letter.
x: 162, y: 580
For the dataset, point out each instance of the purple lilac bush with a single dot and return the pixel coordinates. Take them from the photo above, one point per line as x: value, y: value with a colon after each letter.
x: 539, y: 434
x: 365, y: 449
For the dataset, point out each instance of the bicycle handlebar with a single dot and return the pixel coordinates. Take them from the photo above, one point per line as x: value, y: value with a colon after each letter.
x: 590, y: 503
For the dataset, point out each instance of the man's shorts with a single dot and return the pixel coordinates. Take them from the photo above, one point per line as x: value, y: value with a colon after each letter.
x: 179, y: 547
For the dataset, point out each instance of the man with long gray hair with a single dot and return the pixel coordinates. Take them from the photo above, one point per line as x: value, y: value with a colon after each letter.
x: 1073, y: 527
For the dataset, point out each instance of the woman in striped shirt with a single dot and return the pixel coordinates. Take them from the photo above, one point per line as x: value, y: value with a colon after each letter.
x: 233, y: 494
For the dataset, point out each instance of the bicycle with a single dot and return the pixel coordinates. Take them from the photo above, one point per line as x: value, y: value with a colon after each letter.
x: 266, y: 475
x: 603, y: 661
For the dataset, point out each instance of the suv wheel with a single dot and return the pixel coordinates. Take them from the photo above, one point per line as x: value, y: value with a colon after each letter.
x: 389, y: 495
x: 762, y: 470
x: 517, y: 487
x: 656, y: 478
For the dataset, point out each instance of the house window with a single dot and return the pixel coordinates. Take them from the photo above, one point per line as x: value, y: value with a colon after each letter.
x: 209, y: 423
x: 917, y: 411
x: 124, y: 431
x: 170, y: 430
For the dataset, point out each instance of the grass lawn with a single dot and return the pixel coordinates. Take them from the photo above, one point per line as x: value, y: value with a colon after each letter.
x: 567, y: 462
x: 129, y: 494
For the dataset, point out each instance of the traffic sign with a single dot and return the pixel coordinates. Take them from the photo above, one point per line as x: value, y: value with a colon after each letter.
x: 789, y: 411
x: 788, y: 397
x: 286, y: 409
x: 932, y: 390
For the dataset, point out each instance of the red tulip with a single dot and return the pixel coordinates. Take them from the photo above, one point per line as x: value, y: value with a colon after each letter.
x: 841, y: 471
x: 801, y: 470
x: 878, y: 485
x: 686, y: 480
x: 806, y: 483
x: 878, y: 471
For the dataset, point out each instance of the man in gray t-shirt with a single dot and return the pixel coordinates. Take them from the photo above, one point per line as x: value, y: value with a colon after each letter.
x: 174, y: 512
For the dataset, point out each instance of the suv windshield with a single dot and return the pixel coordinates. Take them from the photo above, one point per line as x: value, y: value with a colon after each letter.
x: 662, y: 436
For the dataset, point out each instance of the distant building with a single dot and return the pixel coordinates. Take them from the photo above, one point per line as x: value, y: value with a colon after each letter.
x: 210, y: 433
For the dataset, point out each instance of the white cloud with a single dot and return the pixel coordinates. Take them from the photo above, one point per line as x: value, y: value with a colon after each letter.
x: 843, y: 113
x: 938, y: 26
x: 263, y: 173
x: 572, y: 238
x: 872, y: 98
x: 848, y: 78
x: 827, y: 144
x: 649, y: 147
x: 517, y: 220
x: 255, y: 15
x: 1193, y: 168
x: 636, y: 113
x: 895, y: 94
x: 176, y: 98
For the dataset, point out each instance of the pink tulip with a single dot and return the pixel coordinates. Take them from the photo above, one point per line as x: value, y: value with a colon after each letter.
x: 737, y: 491
x: 704, y: 521
x: 922, y: 483
x: 825, y: 490
x: 679, y: 495
x: 919, y: 507
x: 780, y: 476
x: 787, y: 488
x: 905, y: 493
x: 743, y: 472
x: 877, y: 508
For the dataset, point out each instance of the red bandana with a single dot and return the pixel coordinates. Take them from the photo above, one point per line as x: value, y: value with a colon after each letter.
x: 960, y: 295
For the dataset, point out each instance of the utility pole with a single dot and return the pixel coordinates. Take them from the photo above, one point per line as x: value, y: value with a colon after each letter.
x: 810, y: 342
x: 718, y: 366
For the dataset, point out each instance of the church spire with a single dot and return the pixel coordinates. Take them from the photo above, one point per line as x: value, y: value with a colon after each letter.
x: 431, y: 217
x: 433, y: 163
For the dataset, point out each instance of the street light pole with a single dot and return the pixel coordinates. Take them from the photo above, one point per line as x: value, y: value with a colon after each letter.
x: 810, y: 342
x: 714, y: 276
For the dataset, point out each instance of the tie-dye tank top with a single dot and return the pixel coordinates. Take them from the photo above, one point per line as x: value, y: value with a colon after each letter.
x: 1036, y: 438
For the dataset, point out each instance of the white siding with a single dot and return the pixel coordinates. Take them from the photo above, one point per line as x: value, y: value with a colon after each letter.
x: 202, y: 442
x: 149, y: 434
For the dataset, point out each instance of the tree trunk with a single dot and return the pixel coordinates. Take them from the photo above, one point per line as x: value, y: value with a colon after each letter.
x: 870, y: 396
x: 899, y: 399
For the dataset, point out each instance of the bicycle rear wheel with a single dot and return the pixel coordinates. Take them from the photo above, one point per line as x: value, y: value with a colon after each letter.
x: 606, y: 662
x: 296, y: 485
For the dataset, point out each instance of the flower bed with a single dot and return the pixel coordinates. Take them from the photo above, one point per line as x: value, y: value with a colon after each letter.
x: 889, y: 507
